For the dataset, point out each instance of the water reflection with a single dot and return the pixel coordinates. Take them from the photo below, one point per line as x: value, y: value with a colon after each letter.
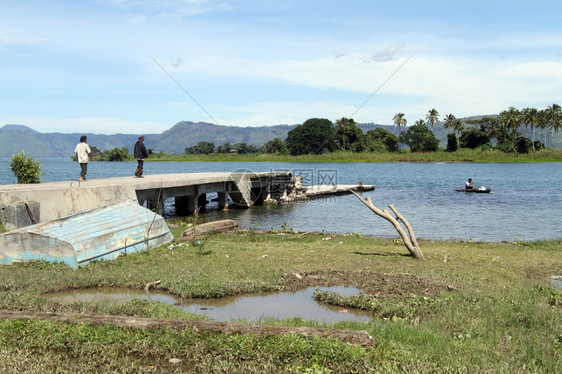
x: 557, y: 281
x: 279, y: 305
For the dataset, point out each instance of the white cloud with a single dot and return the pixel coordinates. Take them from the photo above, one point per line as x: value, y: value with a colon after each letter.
x: 288, y: 112
x: 13, y: 36
x: 178, y: 62
x: 463, y: 87
x: 98, y: 52
x: 137, y: 19
x: 388, y: 53
x: 170, y: 8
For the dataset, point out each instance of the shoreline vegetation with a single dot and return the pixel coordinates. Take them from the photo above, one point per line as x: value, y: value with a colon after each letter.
x: 467, y: 307
x: 462, y: 155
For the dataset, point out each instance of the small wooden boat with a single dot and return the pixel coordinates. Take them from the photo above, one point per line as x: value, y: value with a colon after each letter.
x: 476, y: 190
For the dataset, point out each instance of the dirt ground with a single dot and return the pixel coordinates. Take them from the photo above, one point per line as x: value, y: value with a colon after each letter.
x: 382, y: 285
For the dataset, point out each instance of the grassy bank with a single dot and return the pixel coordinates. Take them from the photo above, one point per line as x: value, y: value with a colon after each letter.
x: 468, y: 307
x: 463, y: 155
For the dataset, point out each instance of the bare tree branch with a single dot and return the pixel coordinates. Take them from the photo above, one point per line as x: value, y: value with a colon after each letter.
x: 409, y: 239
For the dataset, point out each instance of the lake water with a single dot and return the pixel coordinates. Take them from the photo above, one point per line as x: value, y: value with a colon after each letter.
x: 525, y: 202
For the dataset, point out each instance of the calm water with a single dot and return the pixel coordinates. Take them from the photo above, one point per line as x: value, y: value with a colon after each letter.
x: 525, y: 202
x: 279, y: 305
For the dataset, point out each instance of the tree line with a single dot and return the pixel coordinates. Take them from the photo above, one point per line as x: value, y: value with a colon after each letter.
x: 320, y: 135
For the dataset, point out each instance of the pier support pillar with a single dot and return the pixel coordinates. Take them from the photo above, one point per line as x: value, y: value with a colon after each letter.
x: 259, y: 195
x: 202, y: 201
x: 222, y: 197
x: 186, y: 205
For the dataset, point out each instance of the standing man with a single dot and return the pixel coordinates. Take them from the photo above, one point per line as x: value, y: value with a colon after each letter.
x: 83, y: 153
x: 140, y: 154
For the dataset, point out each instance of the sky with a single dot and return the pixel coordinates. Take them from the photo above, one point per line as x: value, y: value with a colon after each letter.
x: 136, y: 66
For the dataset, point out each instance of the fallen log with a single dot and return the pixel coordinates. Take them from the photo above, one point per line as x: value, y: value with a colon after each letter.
x: 359, y: 337
x: 209, y: 228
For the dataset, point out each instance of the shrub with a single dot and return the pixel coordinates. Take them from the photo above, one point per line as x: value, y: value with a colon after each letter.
x: 25, y: 168
x: 452, y: 142
x: 115, y: 154
x: 522, y: 145
x: 314, y: 136
x: 473, y: 138
x: 381, y: 140
x: 420, y: 139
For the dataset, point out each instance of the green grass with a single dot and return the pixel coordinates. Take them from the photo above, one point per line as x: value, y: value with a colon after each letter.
x: 490, y: 308
x: 462, y: 155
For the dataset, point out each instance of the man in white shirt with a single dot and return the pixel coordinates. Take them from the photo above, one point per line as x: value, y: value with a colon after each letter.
x: 83, y: 153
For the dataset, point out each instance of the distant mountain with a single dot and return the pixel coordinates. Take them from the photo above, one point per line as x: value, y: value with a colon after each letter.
x: 185, y: 134
x: 17, y: 127
x: 15, y: 138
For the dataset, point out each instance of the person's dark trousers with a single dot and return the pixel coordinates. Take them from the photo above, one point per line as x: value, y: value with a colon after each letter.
x: 138, y: 172
x: 83, y: 170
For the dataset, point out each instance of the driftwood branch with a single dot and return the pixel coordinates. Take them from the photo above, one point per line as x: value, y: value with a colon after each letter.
x: 409, y: 239
x: 407, y: 224
x: 359, y: 337
x: 151, y: 284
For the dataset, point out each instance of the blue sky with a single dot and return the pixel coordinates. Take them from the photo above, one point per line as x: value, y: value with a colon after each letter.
x: 133, y: 66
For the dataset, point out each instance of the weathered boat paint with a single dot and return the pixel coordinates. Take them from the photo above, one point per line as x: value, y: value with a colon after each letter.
x: 100, y: 234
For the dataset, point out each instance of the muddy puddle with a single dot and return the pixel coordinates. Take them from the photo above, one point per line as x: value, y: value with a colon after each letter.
x: 557, y: 281
x: 249, y: 307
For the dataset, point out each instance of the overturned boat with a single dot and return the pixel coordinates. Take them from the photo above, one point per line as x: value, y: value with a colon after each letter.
x: 101, y: 234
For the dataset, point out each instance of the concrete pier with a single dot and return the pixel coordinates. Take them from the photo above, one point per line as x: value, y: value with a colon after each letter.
x: 54, y: 200
x: 26, y: 204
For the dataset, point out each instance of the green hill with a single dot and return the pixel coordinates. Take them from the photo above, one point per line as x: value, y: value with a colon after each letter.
x: 15, y: 138
x: 185, y: 134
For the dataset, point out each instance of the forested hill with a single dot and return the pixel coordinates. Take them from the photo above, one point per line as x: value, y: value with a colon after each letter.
x: 15, y: 138
x: 185, y: 134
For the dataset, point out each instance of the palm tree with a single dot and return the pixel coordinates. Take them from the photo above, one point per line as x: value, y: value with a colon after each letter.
x: 554, y: 120
x: 458, y: 126
x: 491, y: 126
x: 432, y: 117
x: 530, y: 117
x: 342, y: 125
x: 449, y: 121
x: 399, y: 120
x: 542, y: 124
x: 420, y: 122
x: 511, y: 120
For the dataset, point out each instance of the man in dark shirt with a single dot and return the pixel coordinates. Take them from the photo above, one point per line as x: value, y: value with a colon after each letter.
x: 140, y: 154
